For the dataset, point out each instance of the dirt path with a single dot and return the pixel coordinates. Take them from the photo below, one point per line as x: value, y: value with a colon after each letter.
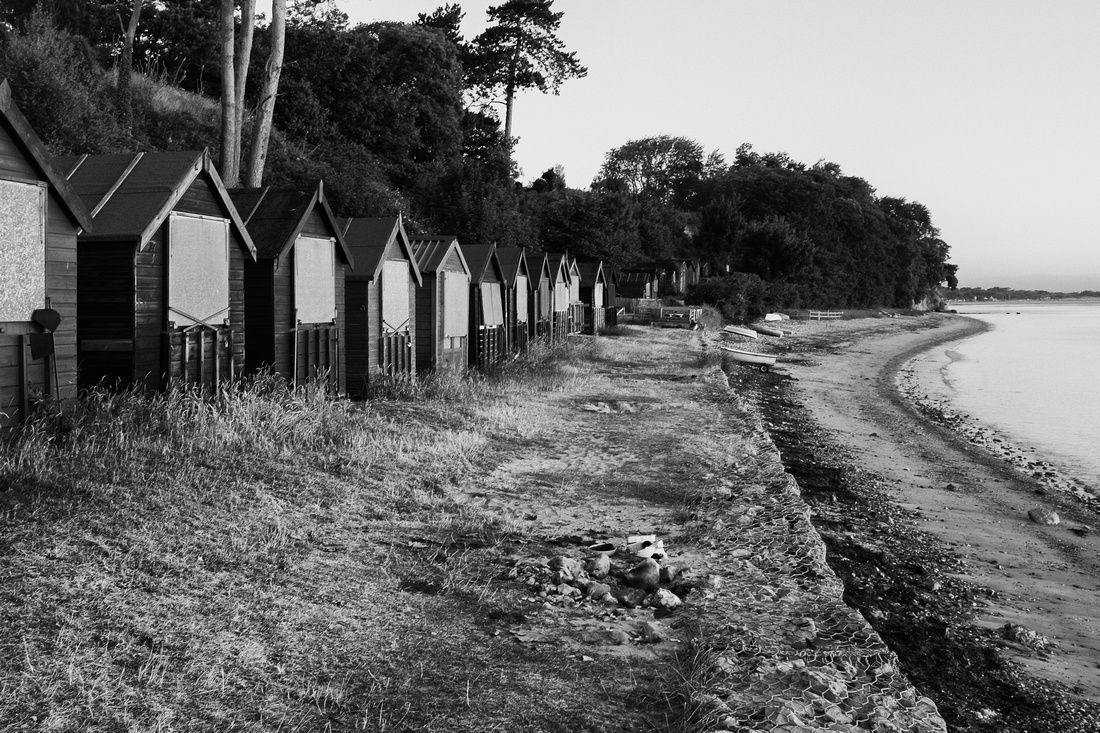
x: 1042, y: 578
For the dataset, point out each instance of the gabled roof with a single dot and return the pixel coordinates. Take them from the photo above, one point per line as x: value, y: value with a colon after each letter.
x: 482, y: 258
x: 131, y: 194
x: 539, y: 267
x: 559, y: 263
x: 369, y: 239
x: 433, y: 251
x: 591, y: 271
x: 513, y: 261
x: 275, y: 217
x: 40, y: 158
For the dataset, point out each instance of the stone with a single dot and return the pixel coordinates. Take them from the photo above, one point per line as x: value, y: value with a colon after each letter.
x: 619, y: 637
x: 653, y: 632
x: 1042, y: 515
x: 669, y: 573
x: 630, y: 597
x: 597, y: 591
x: 665, y: 599
x: 566, y: 566
x: 599, y: 566
x: 646, y: 575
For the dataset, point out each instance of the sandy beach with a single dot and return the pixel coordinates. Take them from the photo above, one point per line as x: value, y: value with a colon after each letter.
x: 965, y: 493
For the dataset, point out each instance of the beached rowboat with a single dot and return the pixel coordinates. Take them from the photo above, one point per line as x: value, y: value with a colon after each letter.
x: 740, y: 331
x: 767, y: 330
x: 763, y: 361
x: 776, y: 317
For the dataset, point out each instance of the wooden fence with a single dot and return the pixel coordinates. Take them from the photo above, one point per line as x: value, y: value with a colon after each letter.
x: 317, y: 355
x: 200, y: 356
x: 395, y: 354
x: 825, y: 315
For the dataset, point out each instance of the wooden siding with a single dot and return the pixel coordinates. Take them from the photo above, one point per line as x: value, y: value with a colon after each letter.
x: 370, y: 352
x: 428, y: 320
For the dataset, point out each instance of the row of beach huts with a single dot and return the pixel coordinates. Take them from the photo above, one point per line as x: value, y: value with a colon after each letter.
x: 143, y: 270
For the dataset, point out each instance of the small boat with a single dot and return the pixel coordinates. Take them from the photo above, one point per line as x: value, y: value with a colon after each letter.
x: 740, y: 331
x: 776, y: 317
x: 763, y: 361
x: 767, y: 330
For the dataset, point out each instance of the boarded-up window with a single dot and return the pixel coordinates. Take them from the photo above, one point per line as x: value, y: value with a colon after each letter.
x: 544, y: 299
x: 574, y: 290
x: 198, y: 270
x: 395, y: 295
x: 315, y: 279
x: 456, y: 304
x: 597, y: 295
x: 492, y: 305
x: 561, y: 296
x: 521, y: 299
x: 22, y: 250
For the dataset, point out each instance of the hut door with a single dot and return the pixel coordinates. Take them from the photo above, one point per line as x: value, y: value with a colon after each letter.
x: 315, y: 280
x: 395, y: 296
x: 597, y: 295
x: 23, y: 254
x: 198, y: 270
x: 521, y: 299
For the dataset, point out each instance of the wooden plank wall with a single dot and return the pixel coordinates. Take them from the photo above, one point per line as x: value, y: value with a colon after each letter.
x: 428, y: 320
x: 360, y: 335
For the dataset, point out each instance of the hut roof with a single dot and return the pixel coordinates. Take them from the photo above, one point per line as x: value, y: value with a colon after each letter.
x: 539, y: 267
x: 369, y: 238
x: 275, y: 217
x: 432, y: 252
x: 131, y: 194
x: 513, y: 261
x: 481, y: 258
x: 559, y: 262
x: 591, y: 272
x: 40, y: 158
x: 636, y: 276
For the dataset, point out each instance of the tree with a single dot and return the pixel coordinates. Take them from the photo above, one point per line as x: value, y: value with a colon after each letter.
x: 125, y: 68
x: 230, y: 133
x: 664, y: 168
x: 261, y: 129
x: 522, y: 51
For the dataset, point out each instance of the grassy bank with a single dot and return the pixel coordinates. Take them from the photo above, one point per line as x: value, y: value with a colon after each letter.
x: 258, y: 560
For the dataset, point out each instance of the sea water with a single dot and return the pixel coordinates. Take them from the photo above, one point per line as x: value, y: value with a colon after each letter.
x: 1034, y: 378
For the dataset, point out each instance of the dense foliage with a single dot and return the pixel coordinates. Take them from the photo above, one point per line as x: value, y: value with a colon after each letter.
x: 401, y: 117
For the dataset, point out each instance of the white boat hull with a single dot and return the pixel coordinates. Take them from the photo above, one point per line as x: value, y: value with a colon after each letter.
x: 750, y: 357
x: 740, y: 331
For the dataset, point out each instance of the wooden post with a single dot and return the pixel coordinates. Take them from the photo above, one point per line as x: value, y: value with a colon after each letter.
x: 201, y: 381
x: 217, y: 358
x: 186, y: 350
x: 232, y: 356
x: 24, y: 398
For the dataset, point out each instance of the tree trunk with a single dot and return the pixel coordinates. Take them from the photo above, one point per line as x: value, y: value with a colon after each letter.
x: 244, y: 55
x: 125, y: 70
x: 261, y: 130
x: 510, y: 98
x: 230, y: 154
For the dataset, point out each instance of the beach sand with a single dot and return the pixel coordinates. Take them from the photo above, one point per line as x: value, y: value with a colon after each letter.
x: 844, y: 407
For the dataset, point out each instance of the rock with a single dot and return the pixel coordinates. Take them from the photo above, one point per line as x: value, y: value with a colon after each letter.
x: 596, y: 591
x: 669, y: 573
x: 1042, y: 515
x: 566, y: 566
x: 664, y: 599
x: 653, y: 632
x: 630, y: 597
x: 619, y: 637
x: 599, y: 566
x: 1081, y: 531
x: 646, y: 575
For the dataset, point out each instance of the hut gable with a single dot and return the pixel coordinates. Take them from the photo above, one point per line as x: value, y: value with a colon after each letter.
x: 518, y: 286
x: 161, y: 295
x: 294, y: 291
x: 40, y: 218
x: 381, y: 301
x: 442, y: 304
x: 487, y: 313
x: 593, y: 283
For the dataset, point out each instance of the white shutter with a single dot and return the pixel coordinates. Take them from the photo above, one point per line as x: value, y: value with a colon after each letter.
x: 315, y: 280
x: 521, y: 299
x: 456, y: 304
x: 198, y: 269
x: 561, y: 296
x: 22, y: 250
x: 492, y: 308
x: 395, y: 295
x: 597, y: 295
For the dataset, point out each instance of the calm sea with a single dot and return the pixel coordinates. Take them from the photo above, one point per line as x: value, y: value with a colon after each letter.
x: 1035, y: 378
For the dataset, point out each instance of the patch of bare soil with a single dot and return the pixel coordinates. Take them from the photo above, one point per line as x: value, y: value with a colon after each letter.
x: 989, y: 613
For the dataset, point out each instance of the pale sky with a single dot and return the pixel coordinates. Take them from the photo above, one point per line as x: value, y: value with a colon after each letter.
x: 985, y: 111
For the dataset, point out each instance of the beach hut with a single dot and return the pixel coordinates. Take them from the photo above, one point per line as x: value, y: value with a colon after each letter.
x: 442, y: 305
x: 488, y: 337
x: 517, y: 291
x: 635, y: 284
x: 294, y: 291
x: 40, y: 219
x: 561, y: 278
x: 593, y: 295
x: 541, y: 297
x: 381, y: 302
x: 160, y: 297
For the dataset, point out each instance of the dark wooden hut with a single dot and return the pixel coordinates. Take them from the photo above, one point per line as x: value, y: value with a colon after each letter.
x: 517, y: 291
x: 381, y: 302
x: 294, y: 291
x: 636, y: 284
x: 562, y: 301
x: 593, y: 295
x: 160, y: 296
x: 40, y: 218
x: 442, y: 305
x: 488, y: 336
x: 541, y: 298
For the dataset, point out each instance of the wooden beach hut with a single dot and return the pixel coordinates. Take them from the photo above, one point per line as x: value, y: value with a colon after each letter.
x: 442, y: 305
x: 40, y: 219
x: 294, y: 291
x: 517, y: 291
x: 160, y: 297
x: 561, y: 281
x: 593, y: 295
x: 635, y: 284
x: 381, y: 302
x: 541, y: 298
x: 488, y: 337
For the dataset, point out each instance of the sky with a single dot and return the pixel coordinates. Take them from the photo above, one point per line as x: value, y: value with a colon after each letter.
x: 985, y: 111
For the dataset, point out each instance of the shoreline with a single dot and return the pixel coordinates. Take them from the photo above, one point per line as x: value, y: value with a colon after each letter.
x: 964, y: 507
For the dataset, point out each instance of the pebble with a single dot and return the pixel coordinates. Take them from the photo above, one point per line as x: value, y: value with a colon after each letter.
x: 1042, y: 515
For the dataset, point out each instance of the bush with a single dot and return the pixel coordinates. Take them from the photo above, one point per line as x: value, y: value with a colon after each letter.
x: 738, y: 296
